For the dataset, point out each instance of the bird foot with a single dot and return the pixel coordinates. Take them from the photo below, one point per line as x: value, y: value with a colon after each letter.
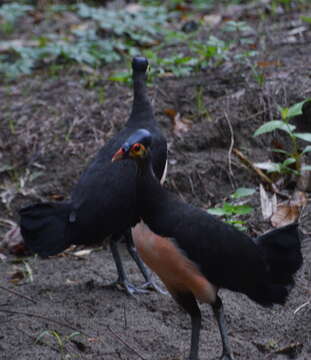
x: 151, y: 285
x: 129, y: 288
x: 226, y: 357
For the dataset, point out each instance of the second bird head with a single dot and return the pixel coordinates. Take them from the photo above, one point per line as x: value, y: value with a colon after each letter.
x: 136, y: 147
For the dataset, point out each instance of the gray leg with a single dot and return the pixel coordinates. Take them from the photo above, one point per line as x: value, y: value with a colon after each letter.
x: 188, y: 302
x: 122, y: 278
x: 219, y: 314
x: 150, y: 283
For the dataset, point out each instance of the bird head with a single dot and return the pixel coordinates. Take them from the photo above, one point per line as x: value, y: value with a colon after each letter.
x: 136, y: 147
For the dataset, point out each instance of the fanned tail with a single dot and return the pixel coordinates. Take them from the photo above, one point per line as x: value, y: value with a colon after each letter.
x: 281, y: 249
x: 43, y: 227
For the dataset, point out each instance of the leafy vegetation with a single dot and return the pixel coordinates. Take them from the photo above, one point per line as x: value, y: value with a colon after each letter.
x: 10, y: 13
x: 105, y: 36
x: 292, y: 162
x: 231, y: 211
x: 61, y: 340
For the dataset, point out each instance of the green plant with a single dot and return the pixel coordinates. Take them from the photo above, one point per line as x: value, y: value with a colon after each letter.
x: 61, y: 340
x: 258, y: 74
x: 231, y: 212
x: 292, y: 163
x: 9, y: 13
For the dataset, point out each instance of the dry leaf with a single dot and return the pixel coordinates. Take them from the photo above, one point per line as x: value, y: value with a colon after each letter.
x: 17, y: 276
x: 288, y: 212
x: 82, y: 253
x: 181, y: 125
x: 264, y: 64
x: 285, y: 214
x: 212, y: 19
x: 268, y: 205
x: 13, y: 240
x: 170, y: 113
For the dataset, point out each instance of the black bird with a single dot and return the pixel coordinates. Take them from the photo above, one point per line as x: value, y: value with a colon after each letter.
x: 195, y: 254
x: 103, y: 202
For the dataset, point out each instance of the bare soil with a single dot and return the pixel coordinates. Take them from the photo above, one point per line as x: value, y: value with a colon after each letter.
x: 52, y: 124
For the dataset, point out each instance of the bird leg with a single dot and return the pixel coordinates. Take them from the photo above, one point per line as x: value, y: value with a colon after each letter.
x: 219, y: 314
x: 122, y: 278
x: 188, y: 302
x: 150, y: 282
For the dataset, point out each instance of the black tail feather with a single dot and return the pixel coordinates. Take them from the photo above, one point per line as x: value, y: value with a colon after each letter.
x: 43, y: 227
x: 282, y: 252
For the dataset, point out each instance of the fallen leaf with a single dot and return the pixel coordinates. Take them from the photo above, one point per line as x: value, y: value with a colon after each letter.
x: 288, y: 212
x: 181, y: 125
x: 170, y: 113
x: 212, y: 19
x: 285, y: 214
x: 268, y: 205
x: 264, y: 64
x: 17, y: 276
x: 13, y: 240
x: 82, y: 253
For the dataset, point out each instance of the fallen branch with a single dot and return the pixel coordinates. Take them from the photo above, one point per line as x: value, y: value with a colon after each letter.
x: 18, y: 294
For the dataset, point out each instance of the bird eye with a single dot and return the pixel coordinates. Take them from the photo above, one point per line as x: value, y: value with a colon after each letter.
x: 136, y: 147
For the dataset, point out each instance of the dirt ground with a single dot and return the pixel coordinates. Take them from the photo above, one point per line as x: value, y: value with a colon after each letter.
x: 51, y: 125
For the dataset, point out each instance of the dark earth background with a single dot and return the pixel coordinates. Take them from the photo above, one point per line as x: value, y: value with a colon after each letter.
x: 50, y: 127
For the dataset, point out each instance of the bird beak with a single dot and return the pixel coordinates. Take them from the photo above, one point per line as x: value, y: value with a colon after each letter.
x: 118, y: 155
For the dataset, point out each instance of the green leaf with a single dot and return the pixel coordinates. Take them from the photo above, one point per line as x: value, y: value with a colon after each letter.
x: 289, y: 161
x: 307, y: 149
x: 303, y: 136
x: 280, y: 151
x: 217, y: 211
x: 274, y: 125
x: 40, y: 336
x: 76, y: 333
x: 296, y: 109
x: 306, y: 19
x: 241, y: 192
x: 242, y: 209
x: 122, y: 76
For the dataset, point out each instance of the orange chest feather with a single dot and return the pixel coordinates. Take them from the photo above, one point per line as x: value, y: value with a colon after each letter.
x: 176, y: 271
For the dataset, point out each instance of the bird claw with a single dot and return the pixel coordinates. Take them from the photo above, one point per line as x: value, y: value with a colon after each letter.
x: 129, y: 288
x: 151, y: 285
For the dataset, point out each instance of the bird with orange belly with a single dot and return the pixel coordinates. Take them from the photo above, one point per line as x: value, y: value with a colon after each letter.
x: 196, y: 254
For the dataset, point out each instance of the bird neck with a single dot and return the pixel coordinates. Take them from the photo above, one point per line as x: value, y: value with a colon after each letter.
x: 141, y: 109
x: 149, y: 190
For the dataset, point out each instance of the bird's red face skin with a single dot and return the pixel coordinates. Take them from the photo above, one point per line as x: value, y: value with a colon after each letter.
x: 119, y: 155
x: 135, y: 151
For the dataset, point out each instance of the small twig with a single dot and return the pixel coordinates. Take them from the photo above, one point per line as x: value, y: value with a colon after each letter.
x: 302, y: 306
x: 124, y: 343
x: 46, y: 319
x: 230, y: 149
x: 260, y: 173
x: 124, y: 317
x: 18, y: 294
